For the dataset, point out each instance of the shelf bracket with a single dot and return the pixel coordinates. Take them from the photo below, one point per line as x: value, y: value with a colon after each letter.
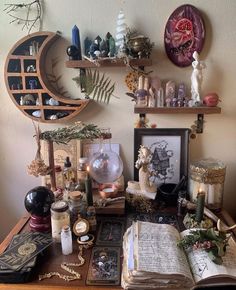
x: 199, y: 123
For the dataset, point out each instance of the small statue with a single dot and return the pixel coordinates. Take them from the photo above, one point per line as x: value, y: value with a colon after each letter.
x: 144, y: 159
x: 196, y: 78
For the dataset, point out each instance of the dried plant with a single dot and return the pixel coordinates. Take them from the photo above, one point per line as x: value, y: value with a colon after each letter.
x: 75, y: 131
x: 27, y: 21
x: 37, y: 167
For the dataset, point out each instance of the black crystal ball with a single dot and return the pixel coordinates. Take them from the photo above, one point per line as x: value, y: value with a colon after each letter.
x: 38, y: 201
x: 72, y: 51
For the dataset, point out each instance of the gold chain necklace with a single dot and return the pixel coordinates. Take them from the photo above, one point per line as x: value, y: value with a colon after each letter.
x: 66, y: 266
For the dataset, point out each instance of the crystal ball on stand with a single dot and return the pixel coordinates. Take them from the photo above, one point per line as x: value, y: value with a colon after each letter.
x: 38, y: 203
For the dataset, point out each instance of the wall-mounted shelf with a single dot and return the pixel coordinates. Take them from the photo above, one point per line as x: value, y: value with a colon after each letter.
x: 19, y: 79
x: 108, y: 63
x: 177, y: 110
x: 200, y: 111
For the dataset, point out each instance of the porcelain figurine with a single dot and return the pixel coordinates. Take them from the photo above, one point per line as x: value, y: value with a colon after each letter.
x: 196, y: 78
x: 144, y: 159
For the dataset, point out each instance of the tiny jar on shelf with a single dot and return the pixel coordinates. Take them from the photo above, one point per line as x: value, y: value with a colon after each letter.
x: 60, y: 216
x: 207, y: 175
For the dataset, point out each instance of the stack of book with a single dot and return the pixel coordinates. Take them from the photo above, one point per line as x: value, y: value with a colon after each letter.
x: 153, y: 260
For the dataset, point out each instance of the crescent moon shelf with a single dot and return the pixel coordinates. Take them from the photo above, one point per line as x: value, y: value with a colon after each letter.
x: 27, y: 83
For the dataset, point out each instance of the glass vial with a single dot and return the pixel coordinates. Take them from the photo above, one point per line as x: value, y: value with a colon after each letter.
x: 82, y: 173
x: 66, y: 240
x: 68, y: 173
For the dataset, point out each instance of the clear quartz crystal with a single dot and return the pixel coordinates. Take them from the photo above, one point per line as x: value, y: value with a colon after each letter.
x: 66, y: 240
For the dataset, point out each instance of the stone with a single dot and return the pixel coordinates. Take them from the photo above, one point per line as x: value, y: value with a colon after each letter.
x: 37, y: 114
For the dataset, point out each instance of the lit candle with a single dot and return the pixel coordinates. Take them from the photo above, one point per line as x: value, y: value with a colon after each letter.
x: 200, y: 206
x: 88, y: 189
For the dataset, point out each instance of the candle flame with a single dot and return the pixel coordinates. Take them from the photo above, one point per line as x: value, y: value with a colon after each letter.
x: 87, y: 168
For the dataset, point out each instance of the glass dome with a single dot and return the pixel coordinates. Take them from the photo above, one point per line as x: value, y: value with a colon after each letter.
x: 105, y: 166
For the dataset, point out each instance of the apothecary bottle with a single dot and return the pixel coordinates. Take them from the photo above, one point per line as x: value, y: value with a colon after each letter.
x: 66, y: 240
x: 77, y: 206
x: 69, y: 173
x: 82, y: 173
x: 60, y: 217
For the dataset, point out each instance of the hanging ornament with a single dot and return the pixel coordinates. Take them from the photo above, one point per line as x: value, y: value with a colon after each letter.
x: 121, y: 29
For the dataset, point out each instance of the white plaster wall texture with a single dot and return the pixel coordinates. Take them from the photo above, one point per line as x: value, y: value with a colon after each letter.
x: 18, y: 146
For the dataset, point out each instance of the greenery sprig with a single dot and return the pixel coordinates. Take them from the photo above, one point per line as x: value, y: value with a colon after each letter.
x: 97, y: 86
x: 214, y: 243
x: 75, y: 131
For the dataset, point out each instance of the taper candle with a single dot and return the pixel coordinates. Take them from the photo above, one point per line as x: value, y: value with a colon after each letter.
x: 88, y: 189
x: 200, y: 206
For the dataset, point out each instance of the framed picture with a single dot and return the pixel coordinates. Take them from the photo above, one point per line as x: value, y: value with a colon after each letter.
x: 104, y: 266
x: 72, y: 149
x: 169, y: 152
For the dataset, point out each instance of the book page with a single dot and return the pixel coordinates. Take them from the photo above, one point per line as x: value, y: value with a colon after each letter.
x: 157, y: 250
x: 203, y: 267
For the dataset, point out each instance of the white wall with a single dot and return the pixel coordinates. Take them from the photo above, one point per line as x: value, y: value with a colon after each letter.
x: 18, y: 147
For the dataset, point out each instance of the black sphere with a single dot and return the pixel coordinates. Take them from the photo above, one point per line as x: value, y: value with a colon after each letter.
x: 72, y: 52
x: 38, y: 201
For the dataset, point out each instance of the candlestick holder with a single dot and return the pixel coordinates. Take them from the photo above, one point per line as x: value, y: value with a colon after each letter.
x: 207, y: 175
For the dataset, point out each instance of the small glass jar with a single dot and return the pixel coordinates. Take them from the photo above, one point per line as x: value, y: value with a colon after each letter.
x: 60, y: 216
x: 77, y: 206
x: 82, y: 172
x: 66, y: 240
x: 207, y: 175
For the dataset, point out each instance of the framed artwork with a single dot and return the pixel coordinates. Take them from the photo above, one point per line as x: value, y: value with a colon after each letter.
x: 72, y: 149
x: 169, y: 152
x: 104, y: 266
x: 184, y: 34
x: 110, y: 232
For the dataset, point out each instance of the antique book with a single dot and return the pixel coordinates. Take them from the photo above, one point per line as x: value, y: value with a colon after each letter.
x: 153, y: 259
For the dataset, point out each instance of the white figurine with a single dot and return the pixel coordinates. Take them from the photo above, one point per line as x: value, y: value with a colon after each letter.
x: 196, y: 78
x: 144, y: 159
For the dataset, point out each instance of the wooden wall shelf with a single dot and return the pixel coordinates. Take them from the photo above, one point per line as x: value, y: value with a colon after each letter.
x: 18, y: 78
x: 108, y: 63
x: 177, y: 110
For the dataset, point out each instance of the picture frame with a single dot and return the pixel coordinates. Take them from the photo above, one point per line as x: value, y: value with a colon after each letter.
x: 73, y: 149
x: 104, y: 266
x: 170, y: 149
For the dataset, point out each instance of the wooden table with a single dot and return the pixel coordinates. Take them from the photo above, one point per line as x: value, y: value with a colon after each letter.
x: 53, y: 258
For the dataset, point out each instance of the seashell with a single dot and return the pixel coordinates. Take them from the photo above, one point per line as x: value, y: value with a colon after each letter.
x: 53, y: 102
x: 37, y: 114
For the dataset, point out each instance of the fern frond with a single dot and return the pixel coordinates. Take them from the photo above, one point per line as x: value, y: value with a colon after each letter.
x: 98, y: 87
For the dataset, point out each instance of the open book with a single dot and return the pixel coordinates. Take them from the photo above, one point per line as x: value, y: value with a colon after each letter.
x: 153, y: 260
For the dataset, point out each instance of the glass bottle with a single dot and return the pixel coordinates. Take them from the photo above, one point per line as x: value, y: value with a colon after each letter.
x: 59, y: 177
x: 60, y: 216
x: 68, y: 173
x: 77, y: 206
x: 66, y: 240
x: 105, y: 166
x: 82, y: 173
